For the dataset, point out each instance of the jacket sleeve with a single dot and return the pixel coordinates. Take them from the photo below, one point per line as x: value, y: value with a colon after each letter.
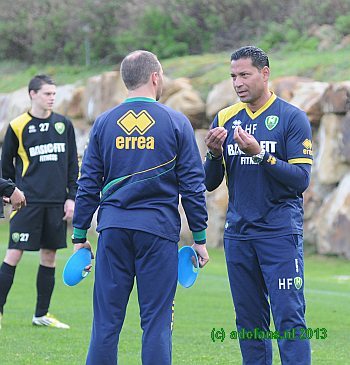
x: 294, y: 176
x: 73, y: 167
x: 89, y: 186
x: 7, y: 187
x: 295, y: 172
x: 190, y: 175
x: 9, y: 152
x: 214, y: 173
x: 214, y: 169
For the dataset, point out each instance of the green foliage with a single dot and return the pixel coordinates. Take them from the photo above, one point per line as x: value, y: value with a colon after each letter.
x: 273, y: 36
x: 157, y: 31
x: 342, y: 24
x: 287, y: 37
x: 103, y: 31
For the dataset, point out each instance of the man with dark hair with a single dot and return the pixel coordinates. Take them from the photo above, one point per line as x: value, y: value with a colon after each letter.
x: 38, y: 81
x: 263, y: 144
x: 141, y: 156
x: 40, y: 155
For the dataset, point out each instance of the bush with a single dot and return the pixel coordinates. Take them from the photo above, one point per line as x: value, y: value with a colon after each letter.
x: 287, y: 36
x: 342, y: 24
x: 54, y: 31
x: 163, y: 35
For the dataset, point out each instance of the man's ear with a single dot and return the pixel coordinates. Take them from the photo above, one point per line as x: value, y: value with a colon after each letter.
x: 32, y: 93
x: 155, y: 78
x: 266, y: 72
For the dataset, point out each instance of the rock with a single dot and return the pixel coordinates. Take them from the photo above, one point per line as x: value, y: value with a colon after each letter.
x: 103, y: 92
x: 189, y: 102
x: 12, y: 105
x: 334, y: 221
x: 18, y: 102
x: 64, y: 98
x: 82, y: 131
x: 308, y: 96
x: 329, y: 162
x: 217, y: 202
x: 344, y: 146
x: 314, y: 197
x: 284, y: 87
x: 75, y: 106
x: 171, y: 87
x: 337, y: 98
x: 221, y: 96
x: 4, y: 101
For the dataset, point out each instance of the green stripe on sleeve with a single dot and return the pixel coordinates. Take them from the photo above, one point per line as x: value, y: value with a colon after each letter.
x: 199, y: 236
x: 79, y: 233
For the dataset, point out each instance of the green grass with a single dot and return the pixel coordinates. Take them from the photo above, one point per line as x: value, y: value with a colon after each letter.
x: 15, y: 75
x: 204, y: 70
x: 198, y: 310
x: 209, y: 69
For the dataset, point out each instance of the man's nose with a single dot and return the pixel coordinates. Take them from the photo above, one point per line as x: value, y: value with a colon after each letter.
x: 237, y: 82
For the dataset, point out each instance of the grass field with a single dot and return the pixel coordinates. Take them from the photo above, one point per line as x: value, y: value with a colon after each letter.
x: 198, y: 310
x: 204, y: 70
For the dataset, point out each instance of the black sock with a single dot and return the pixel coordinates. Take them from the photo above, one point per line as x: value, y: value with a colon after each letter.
x: 7, y: 273
x: 45, y: 283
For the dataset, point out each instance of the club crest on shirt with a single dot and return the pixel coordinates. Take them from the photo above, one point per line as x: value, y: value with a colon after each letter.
x: 15, y: 237
x: 298, y: 282
x: 271, y: 121
x: 60, y: 127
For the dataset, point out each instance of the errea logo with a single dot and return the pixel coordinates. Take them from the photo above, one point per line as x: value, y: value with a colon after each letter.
x: 130, y: 123
x: 307, y: 147
x: 236, y: 123
x: 32, y: 129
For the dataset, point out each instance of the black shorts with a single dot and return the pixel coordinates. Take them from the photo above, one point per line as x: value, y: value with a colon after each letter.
x: 37, y: 226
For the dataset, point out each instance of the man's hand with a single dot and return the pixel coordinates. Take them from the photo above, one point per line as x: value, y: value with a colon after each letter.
x: 215, y: 139
x: 203, y: 256
x: 86, y: 244
x: 246, y: 142
x: 68, y: 210
x: 17, y: 199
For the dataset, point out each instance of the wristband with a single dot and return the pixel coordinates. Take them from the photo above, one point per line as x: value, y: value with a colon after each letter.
x: 199, y: 237
x: 203, y: 242
x: 78, y: 240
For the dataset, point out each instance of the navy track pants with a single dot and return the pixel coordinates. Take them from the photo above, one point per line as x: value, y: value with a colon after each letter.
x: 122, y: 255
x: 268, y: 274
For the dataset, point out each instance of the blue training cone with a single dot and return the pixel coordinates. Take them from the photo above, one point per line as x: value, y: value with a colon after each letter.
x: 73, y: 272
x: 187, y: 273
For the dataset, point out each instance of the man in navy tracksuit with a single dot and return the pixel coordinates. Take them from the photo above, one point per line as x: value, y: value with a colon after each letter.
x: 141, y: 155
x: 263, y: 145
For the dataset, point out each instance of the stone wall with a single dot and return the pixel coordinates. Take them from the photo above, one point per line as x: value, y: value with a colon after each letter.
x: 327, y: 200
